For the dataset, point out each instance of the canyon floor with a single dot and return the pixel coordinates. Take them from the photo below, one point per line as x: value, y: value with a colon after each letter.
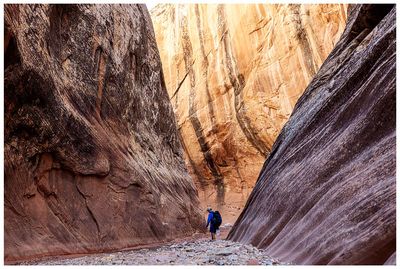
x: 199, y: 250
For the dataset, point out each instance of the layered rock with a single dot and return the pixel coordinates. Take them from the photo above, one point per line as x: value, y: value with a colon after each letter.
x: 326, y: 194
x: 93, y: 160
x: 234, y: 73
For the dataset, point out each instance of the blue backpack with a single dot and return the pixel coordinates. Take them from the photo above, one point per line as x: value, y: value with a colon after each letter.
x: 217, y: 219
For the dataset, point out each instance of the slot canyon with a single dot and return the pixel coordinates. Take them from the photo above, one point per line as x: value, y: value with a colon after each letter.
x: 123, y: 123
x: 233, y: 75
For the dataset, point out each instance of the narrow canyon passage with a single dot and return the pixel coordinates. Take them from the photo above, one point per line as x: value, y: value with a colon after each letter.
x: 233, y: 74
x: 122, y: 125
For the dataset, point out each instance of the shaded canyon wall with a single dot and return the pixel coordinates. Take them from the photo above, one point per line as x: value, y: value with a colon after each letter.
x: 326, y: 194
x: 92, y: 155
x: 233, y: 74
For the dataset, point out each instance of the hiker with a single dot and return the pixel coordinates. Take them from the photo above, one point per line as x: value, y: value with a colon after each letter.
x: 214, y: 220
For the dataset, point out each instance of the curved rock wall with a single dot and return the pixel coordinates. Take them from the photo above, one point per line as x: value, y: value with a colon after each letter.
x: 233, y: 74
x: 326, y: 194
x: 93, y: 159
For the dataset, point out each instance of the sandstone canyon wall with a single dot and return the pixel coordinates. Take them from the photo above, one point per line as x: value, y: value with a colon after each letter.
x: 233, y: 74
x: 326, y: 194
x: 93, y: 159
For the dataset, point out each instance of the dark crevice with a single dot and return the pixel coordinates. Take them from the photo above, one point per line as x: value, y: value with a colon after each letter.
x: 302, y: 38
x: 61, y: 19
x: 179, y: 86
x: 97, y: 55
x: 204, y: 65
x: 237, y: 81
x: 11, y: 53
x: 195, y: 122
x: 100, y: 69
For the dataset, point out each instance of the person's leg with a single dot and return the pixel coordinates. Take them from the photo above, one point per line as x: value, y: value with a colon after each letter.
x: 213, y: 236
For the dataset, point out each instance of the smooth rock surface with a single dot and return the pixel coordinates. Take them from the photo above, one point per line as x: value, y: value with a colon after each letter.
x: 92, y: 156
x: 326, y: 194
x: 234, y: 74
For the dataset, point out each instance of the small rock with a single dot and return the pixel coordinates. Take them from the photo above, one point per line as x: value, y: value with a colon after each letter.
x: 252, y: 262
x: 267, y: 262
x: 233, y: 258
x: 224, y: 252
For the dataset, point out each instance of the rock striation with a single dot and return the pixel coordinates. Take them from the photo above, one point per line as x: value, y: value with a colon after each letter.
x: 234, y: 74
x: 326, y: 194
x: 92, y: 156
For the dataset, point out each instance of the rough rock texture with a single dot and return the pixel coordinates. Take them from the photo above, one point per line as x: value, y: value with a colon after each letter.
x: 199, y: 252
x: 234, y: 73
x: 326, y: 194
x: 92, y: 154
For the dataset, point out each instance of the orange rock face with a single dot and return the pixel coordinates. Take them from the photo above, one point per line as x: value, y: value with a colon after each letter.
x: 234, y: 74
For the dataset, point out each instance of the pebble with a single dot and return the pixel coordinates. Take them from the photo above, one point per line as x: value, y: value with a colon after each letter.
x: 198, y: 252
x: 224, y: 252
x: 252, y: 262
